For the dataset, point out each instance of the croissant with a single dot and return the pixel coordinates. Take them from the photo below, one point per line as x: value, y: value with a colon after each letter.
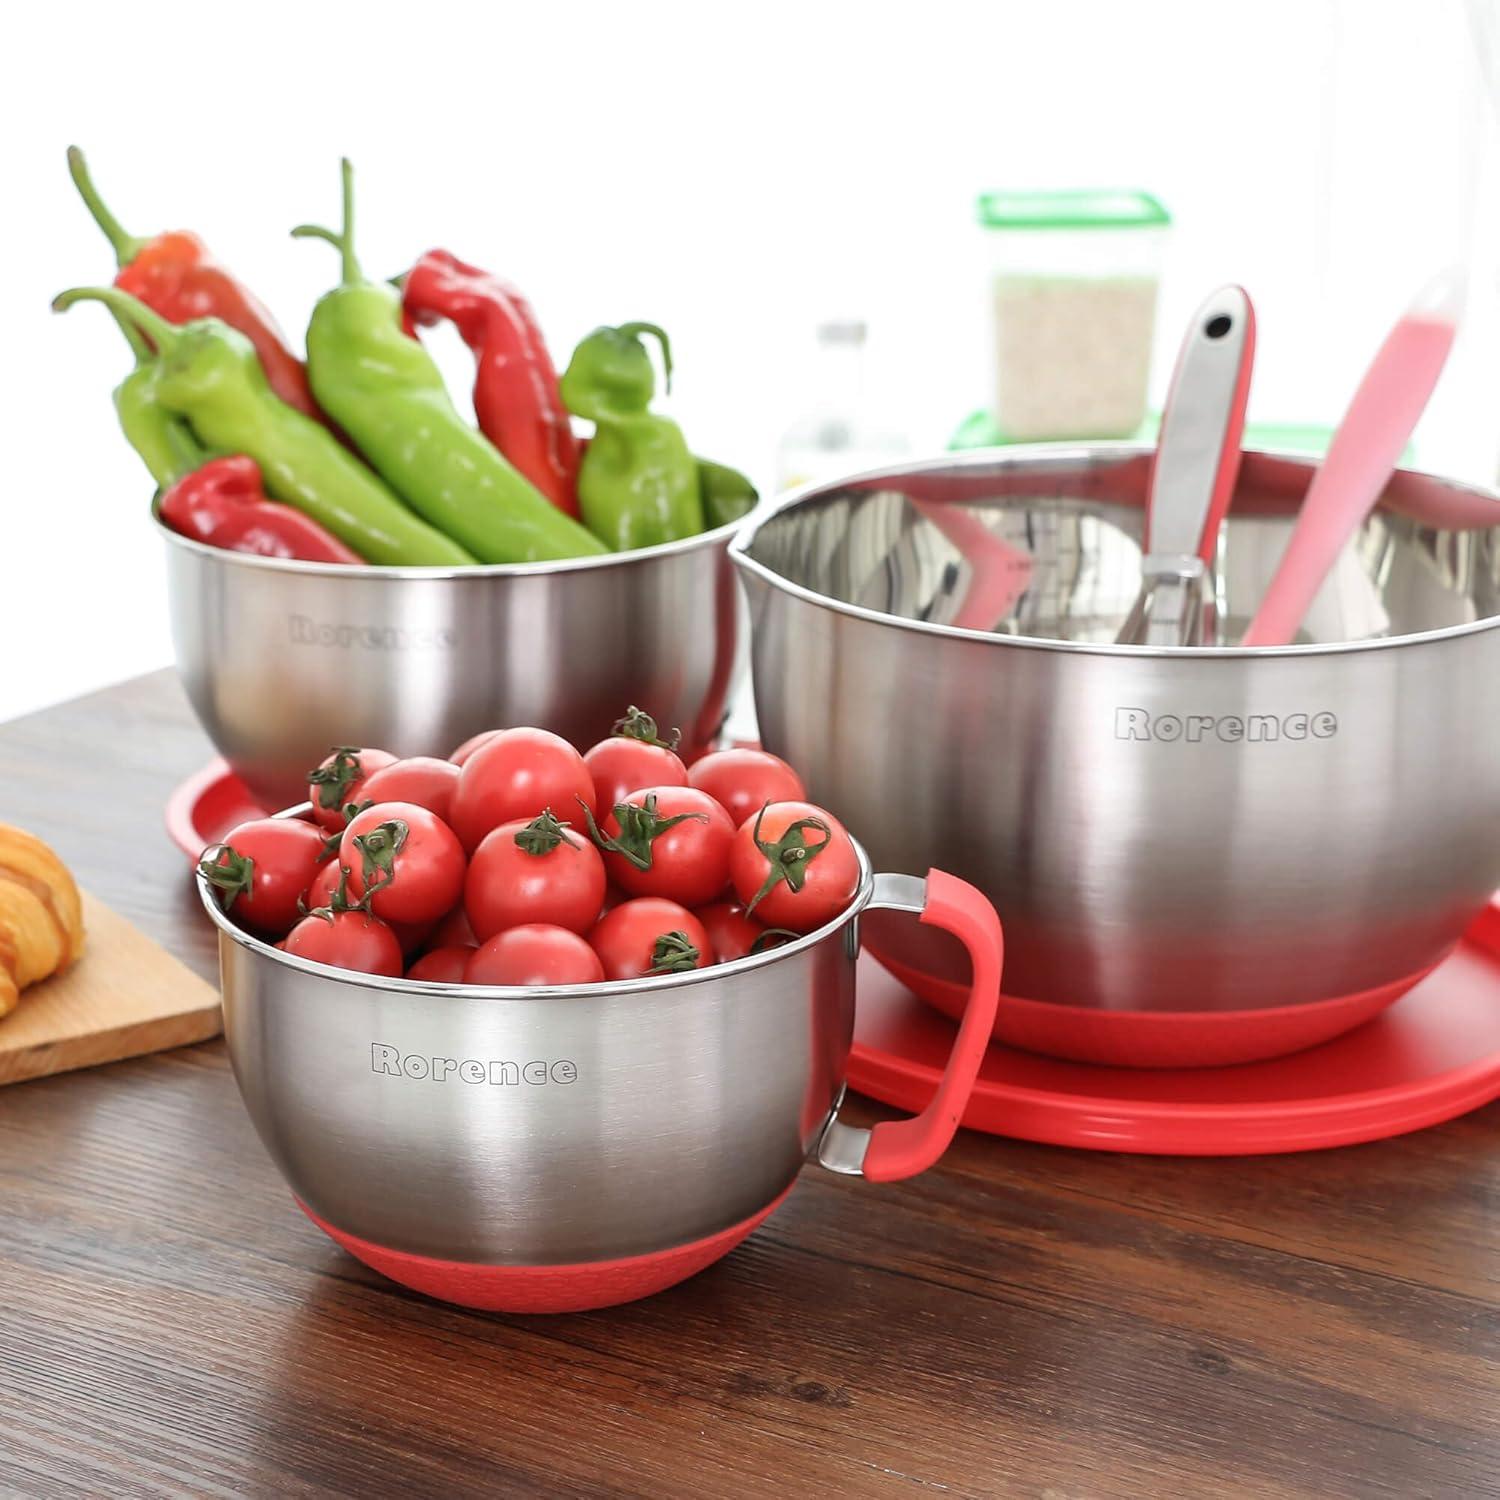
x: 41, y: 915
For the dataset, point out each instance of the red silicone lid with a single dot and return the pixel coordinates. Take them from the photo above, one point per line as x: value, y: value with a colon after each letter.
x: 202, y: 809
x: 1432, y: 1055
x: 206, y: 805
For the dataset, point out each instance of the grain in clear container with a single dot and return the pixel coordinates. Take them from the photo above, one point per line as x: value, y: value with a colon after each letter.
x: 1073, y: 280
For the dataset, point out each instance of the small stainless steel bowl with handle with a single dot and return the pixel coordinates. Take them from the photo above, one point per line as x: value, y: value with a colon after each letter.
x: 282, y: 660
x: 556, y: 1149
x: 1201, y: 855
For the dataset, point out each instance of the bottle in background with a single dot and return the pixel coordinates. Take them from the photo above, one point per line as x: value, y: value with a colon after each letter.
x: 838, y: 433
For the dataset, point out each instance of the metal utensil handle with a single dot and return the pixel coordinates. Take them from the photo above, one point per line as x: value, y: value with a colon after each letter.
x: 1198, y: 450
x: 902, y: 1148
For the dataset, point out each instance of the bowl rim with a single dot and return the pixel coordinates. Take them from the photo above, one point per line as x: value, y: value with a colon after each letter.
x: 363, y: 571
x: 656, y: 984
x: 751, y: 526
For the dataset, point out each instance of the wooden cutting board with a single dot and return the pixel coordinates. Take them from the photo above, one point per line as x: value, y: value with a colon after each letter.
x: 126, y: 995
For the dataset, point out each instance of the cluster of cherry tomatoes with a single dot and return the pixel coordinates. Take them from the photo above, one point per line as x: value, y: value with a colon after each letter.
x: 520, y: 861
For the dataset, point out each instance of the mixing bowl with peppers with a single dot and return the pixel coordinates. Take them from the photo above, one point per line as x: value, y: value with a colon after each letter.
x: 359, y: 455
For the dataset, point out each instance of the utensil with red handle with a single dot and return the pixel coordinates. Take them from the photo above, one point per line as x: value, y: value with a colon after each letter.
x: 1362, y: 456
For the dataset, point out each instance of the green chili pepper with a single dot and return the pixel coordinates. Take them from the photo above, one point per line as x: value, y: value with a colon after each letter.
x: 382, y: 387
x: 727, y: 494
x: 163, y: 440
x: 209, y: 373
x: 638, y: 483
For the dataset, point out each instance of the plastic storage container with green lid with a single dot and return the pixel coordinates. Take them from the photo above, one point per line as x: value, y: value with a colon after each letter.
x: 1073, y: 280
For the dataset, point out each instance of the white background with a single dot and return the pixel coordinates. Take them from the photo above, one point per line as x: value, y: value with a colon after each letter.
x: 733, y: 172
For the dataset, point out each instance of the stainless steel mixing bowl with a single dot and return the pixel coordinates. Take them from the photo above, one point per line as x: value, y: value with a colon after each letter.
x: 281, y: 660
x: 519, y: 1130
x: 1183, y: 833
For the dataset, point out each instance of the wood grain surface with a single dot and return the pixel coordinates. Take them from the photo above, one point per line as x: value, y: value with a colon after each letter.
x: 126, y: 995
x: 1021, y: 1321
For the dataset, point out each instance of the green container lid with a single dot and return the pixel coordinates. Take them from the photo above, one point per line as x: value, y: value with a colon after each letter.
x: 978, y: 430
x: 1099, y: 208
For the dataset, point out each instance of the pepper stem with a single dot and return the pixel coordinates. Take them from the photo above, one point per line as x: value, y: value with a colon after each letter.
x: 126, y: 246
x: 635, y: 330
x: 343, y: 241
x: 126, y: 308
x: 140, y: 345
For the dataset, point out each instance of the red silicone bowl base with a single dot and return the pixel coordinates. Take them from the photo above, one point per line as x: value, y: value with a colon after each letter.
x: 547, y: 1289
x: 205, y: 806
x: 1156, y: 1039
x: 1429, y: 1056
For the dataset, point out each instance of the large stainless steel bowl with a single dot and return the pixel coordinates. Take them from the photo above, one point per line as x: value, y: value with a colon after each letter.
x: 281, y: 660
x: 550, y: 1148
x: 1189, y: 833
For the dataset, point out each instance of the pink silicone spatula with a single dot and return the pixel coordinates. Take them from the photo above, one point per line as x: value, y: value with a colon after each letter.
x: 1193, y: 474
x: 1362, y: 456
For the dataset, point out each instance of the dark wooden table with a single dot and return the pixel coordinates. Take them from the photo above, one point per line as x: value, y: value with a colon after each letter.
x: 1021, y: 1321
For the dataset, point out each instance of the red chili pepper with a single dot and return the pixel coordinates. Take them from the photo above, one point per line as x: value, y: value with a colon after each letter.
x: 515, y: 384
x: 223, y: 505
x: 174, y: 274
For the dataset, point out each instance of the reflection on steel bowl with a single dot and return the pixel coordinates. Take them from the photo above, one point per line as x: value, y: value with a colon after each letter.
x: 282, y: 659
x: 1199, y: 855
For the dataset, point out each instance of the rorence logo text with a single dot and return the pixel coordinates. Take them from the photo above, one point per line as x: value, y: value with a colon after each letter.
x: 304, y: 631
x: 417, y: 1065
x: 1230, y: 729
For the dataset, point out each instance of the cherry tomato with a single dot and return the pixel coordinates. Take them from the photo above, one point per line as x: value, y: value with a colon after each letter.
x: 262, y: 868
x: 732, y: 934
x: 743, y: 781
x: 634, y: 756
x: 413, y: 936
x: 330, y: 890
x: 454, y: 931
x: 471, y: 744
x: 668, y: 841
x: 534, y: 954
x: 409, y: 859
x: 528, y: 872
x: 518, y: 773
x: 442, y: 965
x: 650, y: 936
x: 339, y: 781
x: 347, y: 940
x: 421, y: 779
x: 793, y: 865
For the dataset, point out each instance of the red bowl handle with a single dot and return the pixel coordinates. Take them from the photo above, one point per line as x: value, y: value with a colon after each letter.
x: 895, y: 1149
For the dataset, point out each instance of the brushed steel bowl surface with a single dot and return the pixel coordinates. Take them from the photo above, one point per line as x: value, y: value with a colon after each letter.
x: 282, y: 660
x: 1169, y: 829
x: 551, y: 1126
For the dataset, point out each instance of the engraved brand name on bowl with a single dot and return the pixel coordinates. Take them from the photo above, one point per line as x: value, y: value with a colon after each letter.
x: 397, y: 1064
x: 305, y: 631
x: 1228, y: 729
